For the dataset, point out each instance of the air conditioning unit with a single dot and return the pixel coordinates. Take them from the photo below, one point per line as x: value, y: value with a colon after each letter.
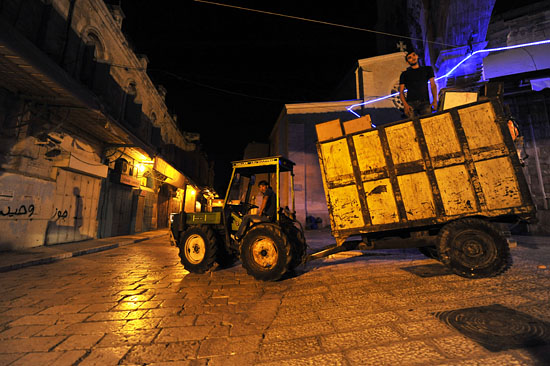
x: 123, y: 167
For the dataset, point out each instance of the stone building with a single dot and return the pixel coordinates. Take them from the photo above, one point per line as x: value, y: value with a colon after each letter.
x: 294, y: 134
x: 525, y: 75
x: 87, y: 146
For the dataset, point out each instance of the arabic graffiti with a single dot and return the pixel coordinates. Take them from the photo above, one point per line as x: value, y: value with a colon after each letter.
x: 22, y: 210
x: 60, y: 214
x: 29, y: 211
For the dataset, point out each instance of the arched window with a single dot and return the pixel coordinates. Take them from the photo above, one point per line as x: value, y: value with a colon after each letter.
x: 131, y: 89
x: 92, y: 39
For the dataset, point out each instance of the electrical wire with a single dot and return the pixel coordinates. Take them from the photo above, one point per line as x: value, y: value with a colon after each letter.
x: 225, y: 90
x: 323, y: 22
x: 488, y: 50
x: 82, y: 161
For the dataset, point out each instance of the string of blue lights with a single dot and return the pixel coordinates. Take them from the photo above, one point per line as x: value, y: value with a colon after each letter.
x: 350, y: 108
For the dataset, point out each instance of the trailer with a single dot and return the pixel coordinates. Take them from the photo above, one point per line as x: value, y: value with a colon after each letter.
x: 448, y: 177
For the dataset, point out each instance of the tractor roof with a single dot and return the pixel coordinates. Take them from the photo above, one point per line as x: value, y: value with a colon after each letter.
x: 263, y: 165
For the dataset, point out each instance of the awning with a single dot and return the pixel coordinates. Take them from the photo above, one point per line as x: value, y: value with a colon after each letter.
x: 517, y: 61
x: 82, y: 165
x: 173, y: 176
x: 539, y: 84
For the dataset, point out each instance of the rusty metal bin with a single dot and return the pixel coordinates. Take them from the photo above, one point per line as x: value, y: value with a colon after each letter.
x: 422, y: 172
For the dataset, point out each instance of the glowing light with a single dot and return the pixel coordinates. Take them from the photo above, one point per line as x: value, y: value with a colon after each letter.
x: 141, y: 168
x: 350, y: 108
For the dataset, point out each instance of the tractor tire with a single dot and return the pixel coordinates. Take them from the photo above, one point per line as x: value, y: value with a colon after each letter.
x: 473, y: 248
x: 198, y: 248
x: 298, y: 246
x: 429, y: 251
x: 266, y: 252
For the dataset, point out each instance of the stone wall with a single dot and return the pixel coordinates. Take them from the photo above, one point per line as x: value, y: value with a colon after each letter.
x: 531, y: 109
x: 532, y: 113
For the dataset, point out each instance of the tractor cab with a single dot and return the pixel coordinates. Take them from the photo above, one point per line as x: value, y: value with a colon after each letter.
x: 242, y: 196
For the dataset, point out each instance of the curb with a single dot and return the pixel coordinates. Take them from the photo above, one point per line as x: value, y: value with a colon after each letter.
x: 76, y: 253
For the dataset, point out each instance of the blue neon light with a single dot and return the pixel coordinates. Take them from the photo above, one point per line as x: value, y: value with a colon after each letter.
x: 350, y: 108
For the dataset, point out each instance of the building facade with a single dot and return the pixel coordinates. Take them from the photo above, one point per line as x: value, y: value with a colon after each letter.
x: 294, y: 134
x: 525, y: 76
x: 88, y: 148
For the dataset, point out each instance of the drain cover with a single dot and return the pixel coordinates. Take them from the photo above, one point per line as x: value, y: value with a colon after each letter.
x: 497, y: 327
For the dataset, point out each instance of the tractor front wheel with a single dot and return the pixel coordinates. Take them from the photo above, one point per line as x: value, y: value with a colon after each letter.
x: 266, y: 252
x: 198, y: 249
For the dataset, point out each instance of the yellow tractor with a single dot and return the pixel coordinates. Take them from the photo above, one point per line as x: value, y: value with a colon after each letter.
x: 267, y: 250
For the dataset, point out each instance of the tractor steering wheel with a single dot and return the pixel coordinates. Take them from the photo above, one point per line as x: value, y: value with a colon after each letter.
x: 245, y: 207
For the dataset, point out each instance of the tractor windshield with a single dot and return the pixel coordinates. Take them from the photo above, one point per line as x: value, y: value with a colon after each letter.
x: 242, y: 190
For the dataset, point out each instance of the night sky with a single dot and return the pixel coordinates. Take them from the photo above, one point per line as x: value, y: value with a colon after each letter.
x: 228, y: 72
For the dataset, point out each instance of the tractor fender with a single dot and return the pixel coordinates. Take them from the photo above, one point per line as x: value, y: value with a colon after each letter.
x: 178, y: 225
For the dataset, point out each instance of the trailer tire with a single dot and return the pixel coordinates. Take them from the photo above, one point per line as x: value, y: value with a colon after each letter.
x: 198, y: 248
x: 473, y: 248
x: 266, y: 252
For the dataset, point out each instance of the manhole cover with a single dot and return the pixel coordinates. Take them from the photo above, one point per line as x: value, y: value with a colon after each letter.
x: 497, y: 327
x: 429, y: 270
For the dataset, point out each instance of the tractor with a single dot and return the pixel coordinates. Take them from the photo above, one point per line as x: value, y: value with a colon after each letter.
x: 267, y: 250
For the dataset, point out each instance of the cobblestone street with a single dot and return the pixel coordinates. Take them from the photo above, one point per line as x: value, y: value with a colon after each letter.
x: 136, y: 305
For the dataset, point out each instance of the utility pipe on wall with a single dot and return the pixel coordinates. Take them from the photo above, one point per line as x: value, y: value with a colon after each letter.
x: 537, y: 165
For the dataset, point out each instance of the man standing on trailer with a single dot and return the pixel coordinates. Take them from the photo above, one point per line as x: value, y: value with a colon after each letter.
x: 415, y: 80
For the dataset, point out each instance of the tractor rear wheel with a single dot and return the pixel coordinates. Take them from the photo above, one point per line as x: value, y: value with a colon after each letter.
x: 473, y: 248
x: 198, y: 248
x: 266, y: 252
x: 298, y: 245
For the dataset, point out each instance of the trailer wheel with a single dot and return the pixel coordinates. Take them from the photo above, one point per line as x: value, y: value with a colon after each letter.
x: 265, y: 252
x: 473, y: 248
x: 198, y: 248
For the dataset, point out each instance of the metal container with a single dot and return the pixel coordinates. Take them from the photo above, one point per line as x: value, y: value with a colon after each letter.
x: 422, y: 172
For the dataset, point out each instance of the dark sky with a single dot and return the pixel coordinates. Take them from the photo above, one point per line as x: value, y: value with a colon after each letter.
x: 229, y: 72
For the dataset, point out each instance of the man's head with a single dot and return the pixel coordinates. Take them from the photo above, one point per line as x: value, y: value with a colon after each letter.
x: 411, y: 58
x: 263, y: 185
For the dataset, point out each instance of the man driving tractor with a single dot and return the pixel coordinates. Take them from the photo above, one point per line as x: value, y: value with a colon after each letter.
x: 266, y: 212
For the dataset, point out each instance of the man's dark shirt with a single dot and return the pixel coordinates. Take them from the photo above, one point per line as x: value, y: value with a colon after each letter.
x: 416, y: 83
x: 270, y: 205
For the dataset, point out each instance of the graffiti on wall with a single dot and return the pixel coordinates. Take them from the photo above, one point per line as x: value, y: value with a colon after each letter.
x: 28, y: 211
x: 59, y: 214
x: 21, y: 211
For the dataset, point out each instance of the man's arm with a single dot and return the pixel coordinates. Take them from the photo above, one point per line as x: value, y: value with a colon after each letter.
x: 408, y: 108
x: 264, y: 201
x: 433, y: 87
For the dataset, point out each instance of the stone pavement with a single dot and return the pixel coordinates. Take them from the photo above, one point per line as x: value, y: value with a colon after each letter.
x: 136, y: 305
x: 51, y: 253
